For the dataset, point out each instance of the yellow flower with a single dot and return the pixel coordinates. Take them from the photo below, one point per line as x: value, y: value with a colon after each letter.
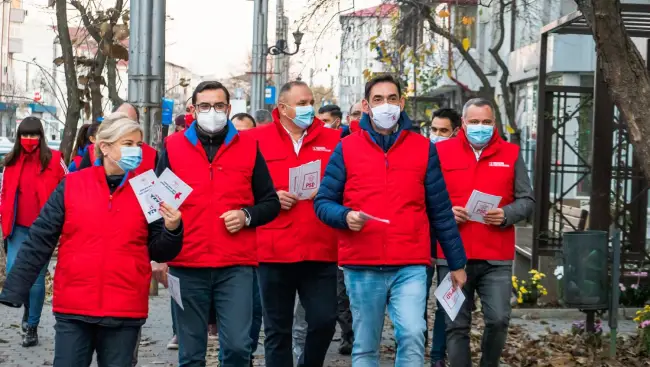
x: 540, y: 287
x: 523, y: 290
x: 537, y: 277
x: 533, y: 271
x: 523, y: 282
x: 514, y: 278
x: 637, y: 319
x: 520, y: 300
x: 544, y: 292
x: 542, y: 275
x: 638, y: 312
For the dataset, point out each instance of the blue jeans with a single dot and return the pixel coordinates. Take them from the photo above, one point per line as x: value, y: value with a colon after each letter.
x: 439, y: 340
x: 230, y: 289
x: 256, y: 324
x: 404, y: 292
x: 37, y: 292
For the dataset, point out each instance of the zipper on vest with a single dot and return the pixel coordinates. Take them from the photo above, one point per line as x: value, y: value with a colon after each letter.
x: 386, y: 159
x: 210, y: 168
x: 110, y: 201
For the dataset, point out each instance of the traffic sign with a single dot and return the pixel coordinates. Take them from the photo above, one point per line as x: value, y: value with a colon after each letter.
x: 269, y: 95
x: 167, y: 111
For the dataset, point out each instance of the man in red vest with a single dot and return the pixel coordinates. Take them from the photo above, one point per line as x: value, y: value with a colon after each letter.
x: 149, y: 154
x: 232, y: 193
x: 384, y: 191
x: 297, y: 252
x: 479, y: 159
x: 353, y: 120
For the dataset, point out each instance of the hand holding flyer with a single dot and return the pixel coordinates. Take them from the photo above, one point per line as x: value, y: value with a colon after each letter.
x: 479, y: 204
x: 151, y: 191
x: 304, y: 180
x: 366, y: 216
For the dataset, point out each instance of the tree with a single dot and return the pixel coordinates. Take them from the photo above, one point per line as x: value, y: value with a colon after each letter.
x: 322, y: 94
x: 623, y: 70
x: 104, y: 37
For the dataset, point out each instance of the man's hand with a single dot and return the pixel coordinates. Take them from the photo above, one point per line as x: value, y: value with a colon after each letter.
x: 460, y: 214
x: 235, y: 220
x: 159, y: 272
x: 287, y: 200
x: 458, y: 278
x: 354, y: 220
x: 171, y: 216
x: 494, y: 217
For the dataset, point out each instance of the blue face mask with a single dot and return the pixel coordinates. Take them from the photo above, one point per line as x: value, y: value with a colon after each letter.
x: 479, y: 135
x: 131, y: 158
x: 437, y: 139
x: 304, y: 116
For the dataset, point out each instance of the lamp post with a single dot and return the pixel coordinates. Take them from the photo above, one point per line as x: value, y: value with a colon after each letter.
x: 280, y: 47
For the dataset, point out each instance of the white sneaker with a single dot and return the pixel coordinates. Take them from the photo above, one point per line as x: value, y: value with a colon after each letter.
x: 173, y: 343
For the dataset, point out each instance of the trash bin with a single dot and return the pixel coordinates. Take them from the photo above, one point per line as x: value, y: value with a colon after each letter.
x: 586, y: 271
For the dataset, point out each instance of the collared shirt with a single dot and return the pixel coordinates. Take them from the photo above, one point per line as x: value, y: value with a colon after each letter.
x: 296, y: 144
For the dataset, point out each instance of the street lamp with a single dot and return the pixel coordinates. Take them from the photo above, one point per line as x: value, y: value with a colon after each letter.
x: 280, y: 47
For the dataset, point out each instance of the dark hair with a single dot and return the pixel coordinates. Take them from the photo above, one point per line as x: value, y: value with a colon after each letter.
x: 415, y: 128
x: 478, y: 102
x: 448, y: 113
x: 332, y: 109
x: 288, y: 86
x: 82, y: 138
x: 210, y: 85
x: 243, y: 115
x: 30, y: 126
x: 384, y: 78
x: 92, y: 130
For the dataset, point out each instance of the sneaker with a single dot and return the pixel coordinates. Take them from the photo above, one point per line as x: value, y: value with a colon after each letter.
x: 212, y: 332
x: 345, y: 348
x: 30, y: 338
x: 173, y: 343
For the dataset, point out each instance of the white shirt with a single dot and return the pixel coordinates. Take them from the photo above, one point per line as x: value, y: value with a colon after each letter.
x: 296, y: 144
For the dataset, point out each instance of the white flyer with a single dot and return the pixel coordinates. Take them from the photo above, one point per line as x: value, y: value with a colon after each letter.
x: 304, y: 180
x: 451, y: 299
x: 366, y: 216
x: 479, y: 204
x: 151, y: 191
x: 172, y: 189
x: 144, y: 187
x: 175, y: 289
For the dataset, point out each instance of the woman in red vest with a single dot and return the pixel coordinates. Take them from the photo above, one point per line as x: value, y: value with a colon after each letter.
x: 32, y: 171
x: 102, y: 275
x: 85, y: 139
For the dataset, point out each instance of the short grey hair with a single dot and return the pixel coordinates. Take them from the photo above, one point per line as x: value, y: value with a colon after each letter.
x: 114, y: 127
x: 478, y: 102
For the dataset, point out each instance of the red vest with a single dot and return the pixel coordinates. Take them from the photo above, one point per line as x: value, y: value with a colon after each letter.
x: 217, y: 187
x: 47, y: 182
x: 77, y: 161
x: 103, y: 267
x: 494, y: 174
x: 148, y: 158
x: 354, y: 126
x: 389, y: 186
x: 296, y: 234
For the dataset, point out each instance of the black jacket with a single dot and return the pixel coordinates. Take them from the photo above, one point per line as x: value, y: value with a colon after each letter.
x: 267, y: 204
x: 44, y: 234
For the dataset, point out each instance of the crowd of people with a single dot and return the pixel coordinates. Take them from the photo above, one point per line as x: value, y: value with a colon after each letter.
x: 389, y: 214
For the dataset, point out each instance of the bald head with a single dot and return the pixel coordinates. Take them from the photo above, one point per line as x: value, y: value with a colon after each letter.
x: 130, y: 111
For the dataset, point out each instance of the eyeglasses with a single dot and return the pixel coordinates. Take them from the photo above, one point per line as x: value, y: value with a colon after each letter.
x: 205, y: 107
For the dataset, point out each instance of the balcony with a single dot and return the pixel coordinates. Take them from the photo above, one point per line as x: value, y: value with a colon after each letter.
x: 15, y: 45
x: 17, y: 15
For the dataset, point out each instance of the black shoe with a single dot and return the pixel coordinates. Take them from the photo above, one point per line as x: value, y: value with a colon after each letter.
x: 25, y: 318
x: 345, y: 348
x: 30, y: 338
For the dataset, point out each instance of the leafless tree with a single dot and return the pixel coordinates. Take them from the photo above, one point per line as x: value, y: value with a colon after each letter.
x: 623, y: 69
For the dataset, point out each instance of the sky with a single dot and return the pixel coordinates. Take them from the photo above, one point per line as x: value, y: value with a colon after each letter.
x: 214, y: 37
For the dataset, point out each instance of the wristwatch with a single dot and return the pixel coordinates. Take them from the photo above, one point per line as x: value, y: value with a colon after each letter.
x: 248, y: 217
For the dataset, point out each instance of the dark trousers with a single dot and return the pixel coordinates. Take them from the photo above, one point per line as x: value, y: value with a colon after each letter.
x: 439, y: 339
x: 344, y: 313
x: 493, y: 283
x: 76, y: 341
x: 230, y: 290
x: 315, y: 283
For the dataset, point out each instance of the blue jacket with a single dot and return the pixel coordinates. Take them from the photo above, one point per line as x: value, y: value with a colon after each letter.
x: 443, y: 227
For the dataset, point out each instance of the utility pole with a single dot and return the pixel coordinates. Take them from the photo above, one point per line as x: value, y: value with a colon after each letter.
x: 147, y: 64
x: 258, y: 62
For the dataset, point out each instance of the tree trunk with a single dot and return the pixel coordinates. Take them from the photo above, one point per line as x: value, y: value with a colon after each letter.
x: 95, y: 85
x: 624, y: 71
x: 111, y: 83
x: 74, y: 99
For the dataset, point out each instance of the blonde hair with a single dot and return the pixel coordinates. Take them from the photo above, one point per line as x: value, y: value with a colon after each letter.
x: 113, y: 128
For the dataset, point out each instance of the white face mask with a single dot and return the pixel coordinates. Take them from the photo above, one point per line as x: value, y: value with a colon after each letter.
x: 212, y: 121
x: 386, y: 115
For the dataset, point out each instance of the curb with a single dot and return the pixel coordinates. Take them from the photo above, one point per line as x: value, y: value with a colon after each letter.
x: 565, y: 313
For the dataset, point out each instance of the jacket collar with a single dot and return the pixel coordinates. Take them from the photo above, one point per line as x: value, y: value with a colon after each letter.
x: 312, y: 130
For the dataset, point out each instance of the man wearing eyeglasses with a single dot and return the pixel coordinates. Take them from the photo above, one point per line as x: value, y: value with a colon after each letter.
x: 297, y: 252
x: 352, y: 119
x: 479, y: 159
x: 232, y: 193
